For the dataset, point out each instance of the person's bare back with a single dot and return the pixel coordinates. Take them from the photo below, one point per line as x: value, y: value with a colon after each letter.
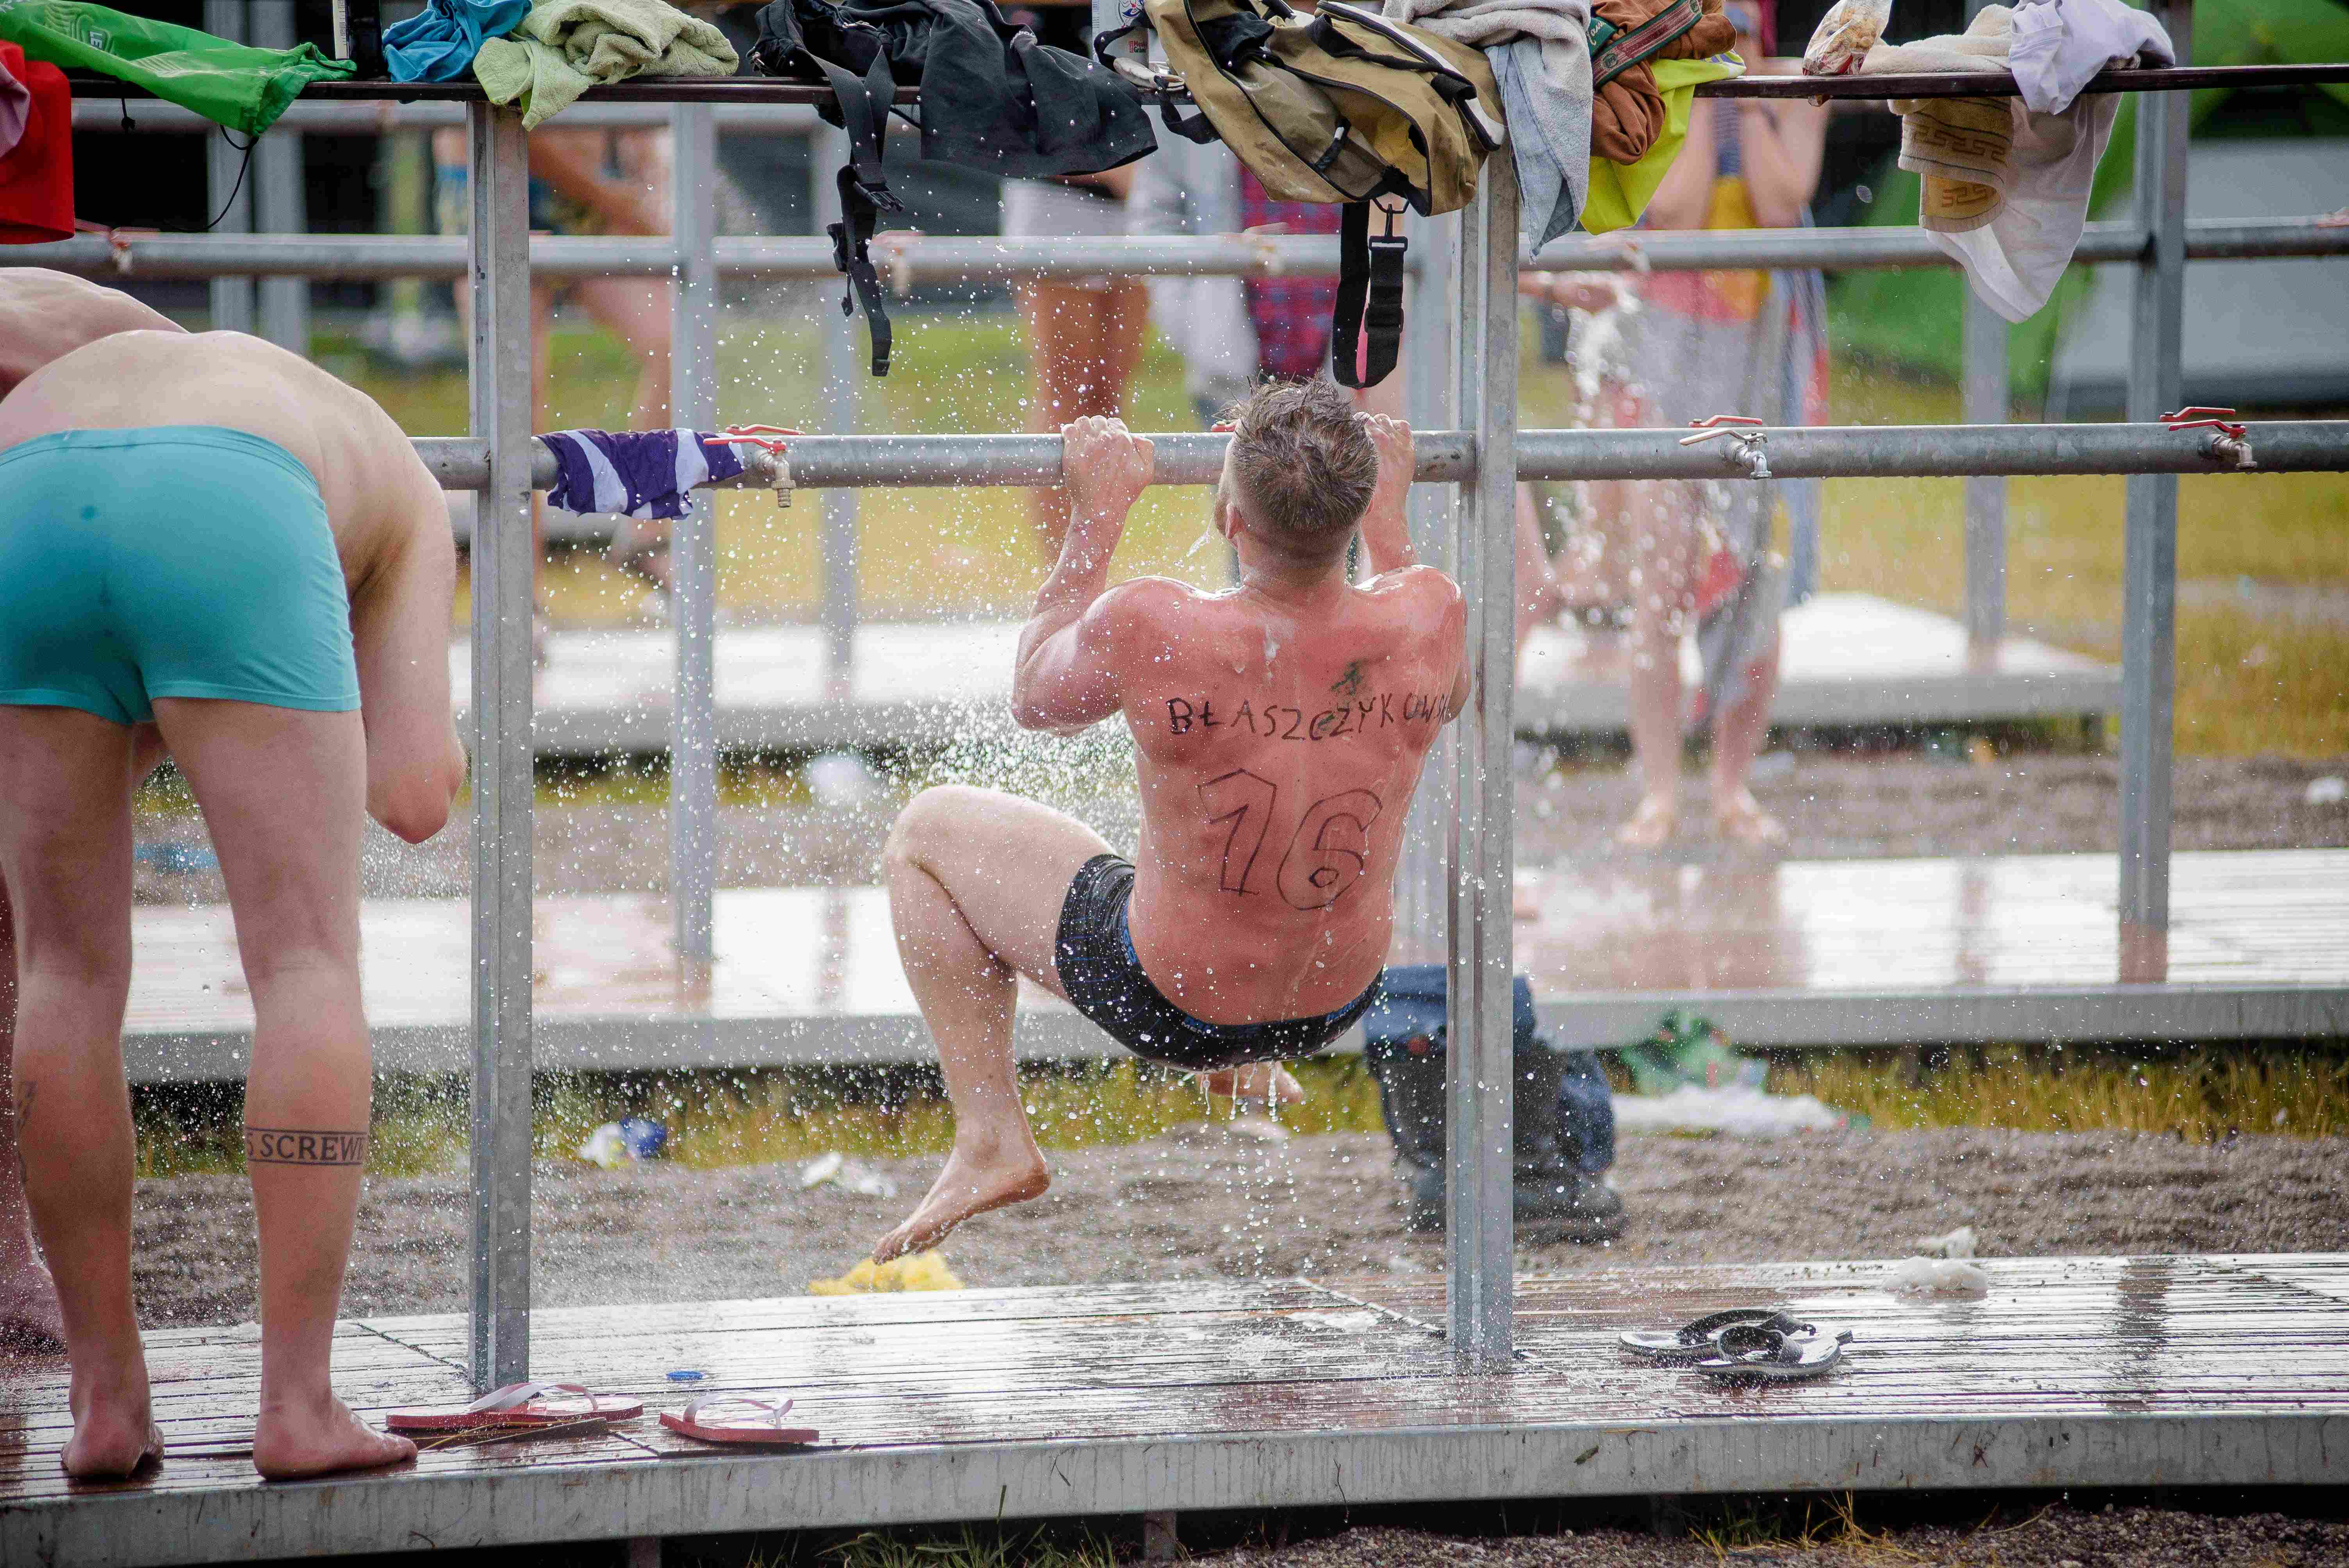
x: 386, y: 510
x: 1279, y: 738
x: 46, y: 316
x: 1280, y: 729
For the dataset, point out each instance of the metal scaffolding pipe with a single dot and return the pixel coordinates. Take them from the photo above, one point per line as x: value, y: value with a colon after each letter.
x: 384, y: 115
x: 1447, y: 457
x: 941, y: 259
x: 766, y: 90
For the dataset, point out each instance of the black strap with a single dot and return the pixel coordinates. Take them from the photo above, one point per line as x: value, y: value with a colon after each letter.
x: 865, y: 102
x: 1198, y: 128
x: 1369, y: 295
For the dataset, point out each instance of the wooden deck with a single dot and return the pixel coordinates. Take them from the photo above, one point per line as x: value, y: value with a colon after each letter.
x: 2174, y: 1371
x: 1850, y: 659
x: 1795, y: 952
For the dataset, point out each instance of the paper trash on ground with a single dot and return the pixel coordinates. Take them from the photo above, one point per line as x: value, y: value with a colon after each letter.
x: 1737, y: 1109
x: 834, y: 1169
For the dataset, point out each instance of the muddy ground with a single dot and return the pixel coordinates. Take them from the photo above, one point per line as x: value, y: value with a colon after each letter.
x: 1210, y: 1201
x: 2060, y: 1536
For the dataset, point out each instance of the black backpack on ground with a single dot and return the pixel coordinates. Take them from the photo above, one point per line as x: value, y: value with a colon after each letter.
x: 993, y: 99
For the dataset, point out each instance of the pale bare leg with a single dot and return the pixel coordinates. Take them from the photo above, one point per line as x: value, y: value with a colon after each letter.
x: 65, y: 853
x: 1664, y: 538
x: 1737, y: 737
x: 977, y: 878
x: 284, y: 793
x: 1084, y: 343
x: 29, y: 1313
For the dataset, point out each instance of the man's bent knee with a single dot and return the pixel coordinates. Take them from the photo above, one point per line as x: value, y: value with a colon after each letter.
x: 930, y: 818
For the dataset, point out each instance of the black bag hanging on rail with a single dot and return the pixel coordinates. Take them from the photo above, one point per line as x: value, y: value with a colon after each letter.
x: 993, y: 99
x: 1342, y: 105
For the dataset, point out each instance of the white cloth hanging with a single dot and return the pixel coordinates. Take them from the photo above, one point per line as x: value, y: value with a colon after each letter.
x: 2060, y: 44
x: 2007, y: 181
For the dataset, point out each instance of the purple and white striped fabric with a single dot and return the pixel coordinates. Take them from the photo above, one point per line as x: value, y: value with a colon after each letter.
x: 635, y: 473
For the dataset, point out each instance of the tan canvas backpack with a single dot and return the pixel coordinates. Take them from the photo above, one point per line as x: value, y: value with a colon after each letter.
x: 1340, y: 105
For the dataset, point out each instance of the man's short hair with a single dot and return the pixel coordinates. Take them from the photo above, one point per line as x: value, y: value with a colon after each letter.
x: 1304, y: 464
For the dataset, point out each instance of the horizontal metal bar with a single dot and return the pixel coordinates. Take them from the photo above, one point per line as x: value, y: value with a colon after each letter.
x: 926, y: 259
x: 644, y: 90
x: 1929, y: 452
x: 946, y: 258
x: 1781, y: 1020
x: 2166, y: 79
x: 1445, y: 456
x: 383, y: 116
x: 758, y: 89
x: 1848, y: 250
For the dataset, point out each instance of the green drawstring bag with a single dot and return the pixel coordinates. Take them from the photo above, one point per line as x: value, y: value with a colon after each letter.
x: 234, y: 85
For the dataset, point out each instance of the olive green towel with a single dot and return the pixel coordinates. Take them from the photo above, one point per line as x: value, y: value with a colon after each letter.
x: 566, y: 46
x: 234, y: 85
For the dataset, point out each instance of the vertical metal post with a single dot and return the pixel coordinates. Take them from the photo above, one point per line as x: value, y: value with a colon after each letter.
x: 227, y: 168
x: 1422, y: 901
x: 693, y: 545
x: 279, y: 203
x: 1480, y: 1082
x: 842, y: 368
x: 2150, y: 558
x: 498, y: 374
x: 1985, y: 404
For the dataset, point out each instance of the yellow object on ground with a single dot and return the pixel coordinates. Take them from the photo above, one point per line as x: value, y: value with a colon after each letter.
x: 918, y: 1271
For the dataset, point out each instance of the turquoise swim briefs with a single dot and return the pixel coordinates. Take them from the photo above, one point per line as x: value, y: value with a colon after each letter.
x: 183, y: 561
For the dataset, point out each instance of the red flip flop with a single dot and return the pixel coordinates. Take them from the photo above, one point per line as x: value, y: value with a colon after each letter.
x: 520, y: 1404
x: 767, y: 1428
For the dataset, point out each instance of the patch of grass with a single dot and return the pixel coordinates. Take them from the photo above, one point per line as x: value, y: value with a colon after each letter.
x: 2201, y: 1095
x: 717, y: 1119
x: 974, y: 1547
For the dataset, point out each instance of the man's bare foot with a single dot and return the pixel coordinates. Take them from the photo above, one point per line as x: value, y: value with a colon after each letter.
x: 319, y: 1438
x: 1742, y: 820
x: 1256, y: 1080
x: 1652, y: 824
x: 114, y: 1430
x: 30, y: 1315
x: 974, y: 1181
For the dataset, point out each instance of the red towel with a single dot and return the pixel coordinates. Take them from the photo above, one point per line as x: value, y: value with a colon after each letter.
x: 36, y: 199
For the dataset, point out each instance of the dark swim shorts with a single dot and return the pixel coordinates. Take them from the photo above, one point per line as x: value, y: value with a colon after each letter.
x: 1102, y: 975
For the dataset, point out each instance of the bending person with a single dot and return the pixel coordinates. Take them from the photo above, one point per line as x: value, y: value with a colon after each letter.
x: 1280, y: 728
x: 210, y: 546
x: 44, y: 314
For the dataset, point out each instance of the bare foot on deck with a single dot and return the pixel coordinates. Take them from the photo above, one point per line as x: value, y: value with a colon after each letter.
x: 1742, y: 820
x: 973, y: 1182
x: 30, y: 1315
x: 1652, y: 824
x: 114, y: 1433
x: 291, y: 1440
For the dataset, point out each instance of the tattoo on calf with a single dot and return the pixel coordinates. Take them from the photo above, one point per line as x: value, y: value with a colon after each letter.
x: 299, y: 1145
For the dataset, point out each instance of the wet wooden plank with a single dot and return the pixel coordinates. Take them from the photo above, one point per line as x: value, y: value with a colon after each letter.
x: 2218, y: 1366
x: 813, y: 973
x: 1850, y: 658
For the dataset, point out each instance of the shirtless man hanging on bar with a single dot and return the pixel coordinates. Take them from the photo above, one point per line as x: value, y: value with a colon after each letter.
x: 1279, y: 728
